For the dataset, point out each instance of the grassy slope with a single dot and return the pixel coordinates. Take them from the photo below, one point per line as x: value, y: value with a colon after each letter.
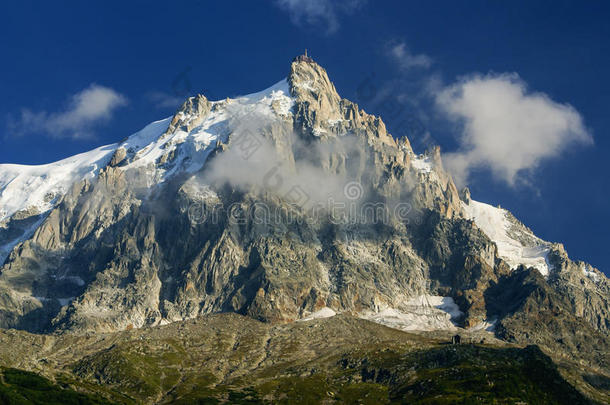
x: 23, y: 387
x: 229, y: 358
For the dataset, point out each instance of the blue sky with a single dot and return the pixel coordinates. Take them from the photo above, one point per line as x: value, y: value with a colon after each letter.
x: 463, y: 75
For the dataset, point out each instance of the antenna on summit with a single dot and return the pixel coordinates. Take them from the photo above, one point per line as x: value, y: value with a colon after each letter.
x: 303, y: 58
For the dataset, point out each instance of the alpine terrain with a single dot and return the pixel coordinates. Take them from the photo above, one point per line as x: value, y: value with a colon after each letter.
x: 283, y: 247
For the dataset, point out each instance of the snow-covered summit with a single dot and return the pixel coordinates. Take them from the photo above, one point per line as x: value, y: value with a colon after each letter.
x: 183, y: 143
x: 35, y: 190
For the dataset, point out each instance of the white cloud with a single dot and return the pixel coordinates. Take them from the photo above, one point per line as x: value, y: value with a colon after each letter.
x: 87, y: 108
x: 319, y: 12
x: 406, y: 60
x: 506, y: 128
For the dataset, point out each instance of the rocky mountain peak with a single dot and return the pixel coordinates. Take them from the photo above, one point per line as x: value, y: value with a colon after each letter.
x: 163, y: 227
x: 191, y: 114
x: 309, y: 80
x: 320, y: 111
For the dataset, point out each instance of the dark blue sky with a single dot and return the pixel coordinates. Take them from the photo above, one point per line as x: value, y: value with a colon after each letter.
x: 153, y: 52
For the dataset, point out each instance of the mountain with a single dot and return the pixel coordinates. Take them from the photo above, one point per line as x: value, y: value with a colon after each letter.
x: 288, y: 204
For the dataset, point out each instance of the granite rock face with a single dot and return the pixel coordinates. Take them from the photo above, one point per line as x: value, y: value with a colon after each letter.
x: 276, y: 206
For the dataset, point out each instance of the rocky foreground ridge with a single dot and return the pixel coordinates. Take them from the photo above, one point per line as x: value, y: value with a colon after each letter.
x: 282, y: 205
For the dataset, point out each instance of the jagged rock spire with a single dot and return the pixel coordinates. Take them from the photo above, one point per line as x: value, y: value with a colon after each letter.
x: 320, y: 109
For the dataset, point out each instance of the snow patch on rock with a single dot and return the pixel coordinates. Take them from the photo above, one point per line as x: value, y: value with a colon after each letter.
x: 422, y: 163
x: 590, y: 273
x: 39, y: 187
x: 322, y: 313
x: 422, y: 313
x: 6, y: 249
x: 517, y: 245
x: 488, y: 325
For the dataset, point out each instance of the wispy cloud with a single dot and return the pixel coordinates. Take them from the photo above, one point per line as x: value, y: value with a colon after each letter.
x: 507, y: 128
x: 165, y: 100
x: 319, y: 13
x: 406, y: 60
x: 84, y: 111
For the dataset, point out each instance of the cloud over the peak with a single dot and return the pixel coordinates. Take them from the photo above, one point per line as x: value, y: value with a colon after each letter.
x: 407, y: 60
x: 505, y: 127
x: 319, y: 13
x: 85, y: 109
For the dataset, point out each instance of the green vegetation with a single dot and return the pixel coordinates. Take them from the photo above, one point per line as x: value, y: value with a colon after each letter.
x: 346, y: 361
x: 441, y: 375
x: 23, y: 387
x: 470, y: 374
